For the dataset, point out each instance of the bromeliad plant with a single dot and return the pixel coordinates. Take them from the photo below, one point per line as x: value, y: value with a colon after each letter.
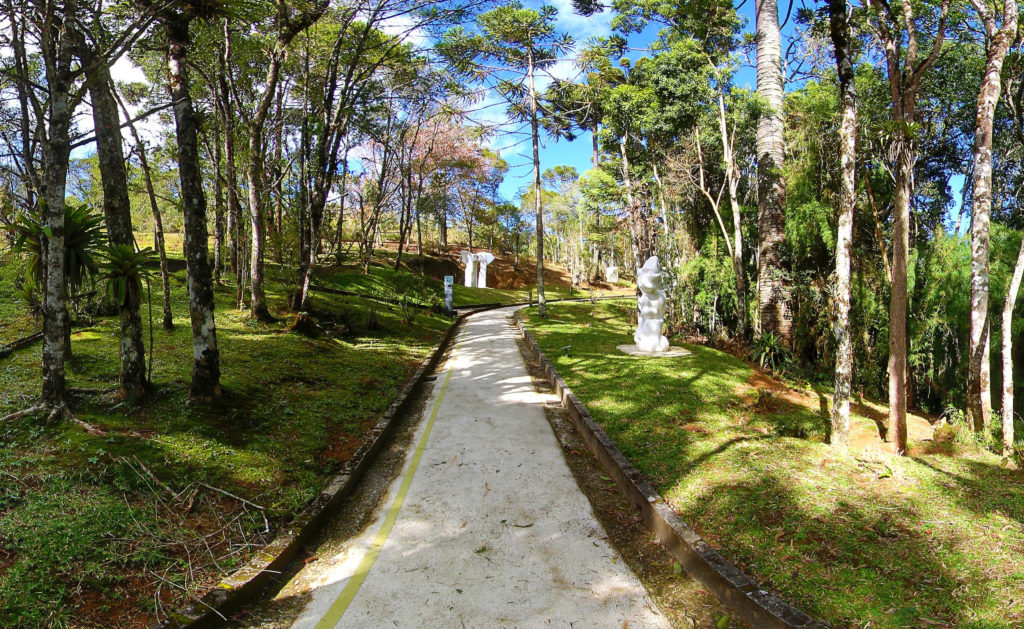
x: 770, y: 352
x: 125, y: 268
x: 83, y: 233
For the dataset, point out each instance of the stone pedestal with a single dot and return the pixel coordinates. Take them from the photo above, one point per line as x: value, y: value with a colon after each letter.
x: 611, y: 273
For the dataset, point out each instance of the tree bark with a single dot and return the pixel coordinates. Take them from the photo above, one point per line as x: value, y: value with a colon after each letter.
x: 979, y: 396
x: 840, y: 29
x: 56, y: 54
x: 773, y: 287
x: 218, y: 207
x: 205, y: 357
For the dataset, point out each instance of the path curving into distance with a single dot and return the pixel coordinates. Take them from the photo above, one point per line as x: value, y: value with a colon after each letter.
x: 485, y: 525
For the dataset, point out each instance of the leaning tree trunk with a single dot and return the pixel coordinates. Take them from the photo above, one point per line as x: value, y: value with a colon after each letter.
x: 979, y: 397
x: 840, y: 28
x: 773, y: 288
x: 118, y: 214
x: 1011, y: 300
x: 158, y: 225
x: 206, y: 359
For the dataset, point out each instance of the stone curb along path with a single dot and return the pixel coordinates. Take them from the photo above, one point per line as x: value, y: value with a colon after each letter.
x: 727, y: 582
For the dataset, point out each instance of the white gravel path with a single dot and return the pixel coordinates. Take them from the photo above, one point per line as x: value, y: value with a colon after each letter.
x: 493, y: 530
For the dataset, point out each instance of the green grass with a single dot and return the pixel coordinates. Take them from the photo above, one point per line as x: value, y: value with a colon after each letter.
x: 86, y: 537
x: 934, y: 540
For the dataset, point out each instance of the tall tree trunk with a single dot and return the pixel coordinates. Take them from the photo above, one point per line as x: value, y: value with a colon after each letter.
x: 773, y: 287
x: 227, y: 119
x: 56, y: 54
x: 595, y: 150
x: 1007, y: 321
x: 118, y: 217
x: 840, y: 29
x: 206, y: 358
x: 538, y: 208
x: 904, y: 73
x: 979, y: 396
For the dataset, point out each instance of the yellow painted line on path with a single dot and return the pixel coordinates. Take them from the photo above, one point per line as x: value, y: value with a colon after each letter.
x: 344, y: 599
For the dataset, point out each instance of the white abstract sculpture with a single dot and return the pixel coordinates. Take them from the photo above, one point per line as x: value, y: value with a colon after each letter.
x: 483, y: 259
x: 469, y: 259
x: 648, y: 337
x: 611, y: 272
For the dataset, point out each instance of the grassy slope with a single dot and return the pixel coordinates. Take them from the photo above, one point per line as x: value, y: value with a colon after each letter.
x: 933, y: 540
x: 85, y: 534
x: 381, y: 273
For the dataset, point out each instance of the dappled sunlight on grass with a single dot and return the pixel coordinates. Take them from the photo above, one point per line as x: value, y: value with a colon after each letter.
x: 934, y: 540
x: 293, y: 410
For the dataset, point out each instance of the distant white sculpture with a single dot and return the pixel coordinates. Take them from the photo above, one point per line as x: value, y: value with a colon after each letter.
x: 611, y: 272
x: 483, y: 259
x: 472, y: 266
x: 648, y: 336
x: 476, y: 268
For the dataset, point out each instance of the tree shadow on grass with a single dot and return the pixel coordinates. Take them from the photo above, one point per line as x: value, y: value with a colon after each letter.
x: 852, y: 563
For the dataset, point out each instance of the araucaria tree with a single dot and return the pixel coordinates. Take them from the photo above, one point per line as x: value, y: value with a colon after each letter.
x: 524, y: 43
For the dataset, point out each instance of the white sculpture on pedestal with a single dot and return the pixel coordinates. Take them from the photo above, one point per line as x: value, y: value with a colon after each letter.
x: 611, y: 272
x: 648, y: 337
x: 469, y: 259
x: 476, y: 268
x: 483, y: 259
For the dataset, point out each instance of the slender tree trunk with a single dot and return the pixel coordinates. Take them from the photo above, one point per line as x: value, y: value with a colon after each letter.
x: 1000, y: 39
x: 1007, y: 321
x: 118, y: 217
x: 254, y: 174
x: 732, y: 176
x: 538, y: 208
x: 596, y: 152
x: 234, y: 207
x: 206, y: 359
x: 218, y: 205
x: 840, y: 28
x: 773, y: 288
x: 158, y: 225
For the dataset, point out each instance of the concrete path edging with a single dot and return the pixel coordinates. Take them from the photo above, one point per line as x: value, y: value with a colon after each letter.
x: 727, y: 582
x: 246, y: 583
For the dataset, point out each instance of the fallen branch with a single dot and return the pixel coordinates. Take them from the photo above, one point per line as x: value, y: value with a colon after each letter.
x: 262, y: 510
x: 27, y: 411
x: 153, y: 476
